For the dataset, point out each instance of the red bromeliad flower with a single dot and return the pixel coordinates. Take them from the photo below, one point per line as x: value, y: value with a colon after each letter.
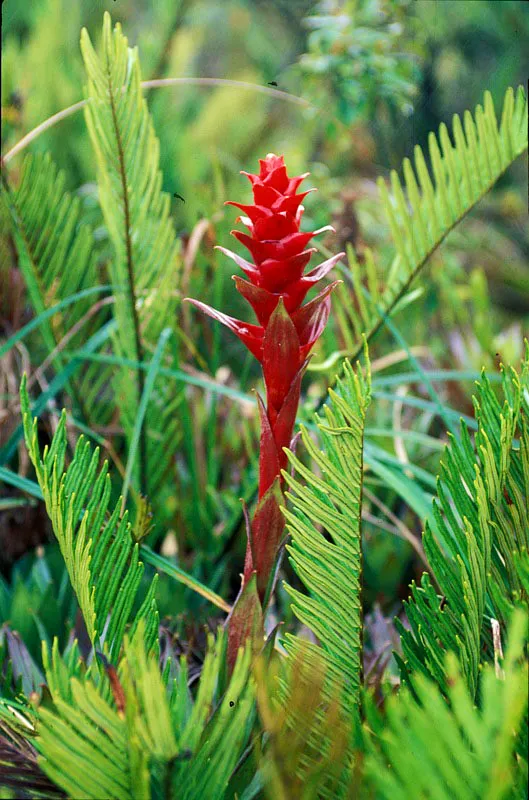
x: 282, y: 340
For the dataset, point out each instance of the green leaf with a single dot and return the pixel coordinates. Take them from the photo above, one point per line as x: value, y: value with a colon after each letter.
x: 136, y: 213
x: 464, y: 170
x: 95, y: 541
x: 330, y: 567
x: 56, y: 252
x: 477, y: 538
x: 432, y: 748
x: 157, y: 741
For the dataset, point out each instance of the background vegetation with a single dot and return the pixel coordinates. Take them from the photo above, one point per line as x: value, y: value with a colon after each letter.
x: 343, y: 89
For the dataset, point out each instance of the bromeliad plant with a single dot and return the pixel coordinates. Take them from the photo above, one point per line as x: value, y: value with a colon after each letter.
x: 281, y: 342
x: 96, y: 698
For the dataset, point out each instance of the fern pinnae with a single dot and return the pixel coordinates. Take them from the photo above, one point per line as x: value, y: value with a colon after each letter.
x: 462, y: 172
x: 450, y: 161
x: 372, y: 278
x: 413, y: 193
x: 331, y: 569
x: 459, y: 139
x: 427, y: 191
x: 479, y: 560
x: 137, y: 215
x: 96, y: 543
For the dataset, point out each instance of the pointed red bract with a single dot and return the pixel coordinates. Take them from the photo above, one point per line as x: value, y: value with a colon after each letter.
x: 280, y: 357
x: 266, y: 529
x: 245, y: 621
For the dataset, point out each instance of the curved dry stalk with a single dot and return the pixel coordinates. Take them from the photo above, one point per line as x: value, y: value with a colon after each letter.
x: 153, y: 84
x: 67, y: 337
x: 402, y: 530
x: 400, y: 448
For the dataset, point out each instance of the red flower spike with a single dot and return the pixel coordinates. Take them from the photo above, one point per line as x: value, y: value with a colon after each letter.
x: 287, y: 331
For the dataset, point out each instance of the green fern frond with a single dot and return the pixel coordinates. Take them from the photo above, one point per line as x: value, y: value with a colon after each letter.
x: 330, y: 566
x: 56, y: 251
x: 220, y: 738
x: 95, y: 540
x: 435, y: 749
x: 480, y: 559
x: 56, y: 256
x: 308, y: 751
x: 58, y: 260
x: 136, y: 212
x: 156, y: 742
x: 424, y: 210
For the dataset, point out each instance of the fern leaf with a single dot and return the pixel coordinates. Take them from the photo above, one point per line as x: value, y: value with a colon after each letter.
x: 223, y: 738
x: 433, y: 748
x: 308, y: 751
x: 424, y: 210
x: 56, y: 256
x: 95, y: 541
x: 56, y: 251
x: 331, y: 568
x: 160, y: 744
x: 136, y: 211
x: 481, y: 554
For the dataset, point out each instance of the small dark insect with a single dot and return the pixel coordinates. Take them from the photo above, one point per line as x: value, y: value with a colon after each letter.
x: 185, y: 755
x: 175, y: 194
x: 272, y: 83
x: 15, y: 100
x: 231, y: 703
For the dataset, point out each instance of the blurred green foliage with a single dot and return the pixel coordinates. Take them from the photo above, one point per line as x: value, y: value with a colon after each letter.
x: 363, y: 82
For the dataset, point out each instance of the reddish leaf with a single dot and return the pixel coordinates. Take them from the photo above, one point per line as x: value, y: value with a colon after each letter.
x: 283, y: 248
x: 276, y: 227
x: 322, y: 269
x: 291, y: 202
x: 262, y: 302
x: 313, y: 332
x: 294, y: 183
x: 277, y: 177
x: 307, y: 318
x: 269, y: 164
x: 266, y: 195
x: 275, y: 274
x: 246, y: 266
x: 267, y: 526
x: 245, y: 621
x: 255, y: 212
